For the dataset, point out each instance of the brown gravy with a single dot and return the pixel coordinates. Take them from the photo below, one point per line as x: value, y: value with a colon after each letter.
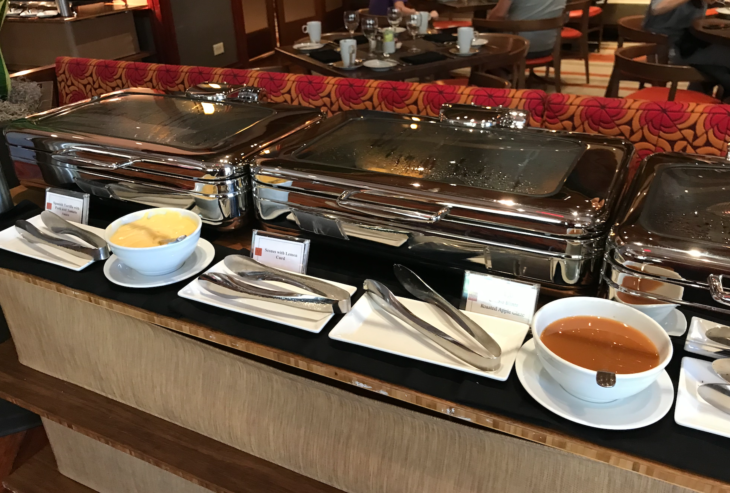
x: 597, y: 343
x: 641, y: 285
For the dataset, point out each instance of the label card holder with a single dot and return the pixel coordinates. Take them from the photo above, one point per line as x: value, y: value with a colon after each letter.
x: 70, y: 205
x: 280, y: 251
x: 499, y: 297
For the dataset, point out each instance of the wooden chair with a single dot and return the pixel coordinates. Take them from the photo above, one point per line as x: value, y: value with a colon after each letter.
x: 631, y: 64
x: 595, y: 19
x: 514, y: 49
x: 382, y: 19
x: 578, y: 35
x: 631, y: 28
x: 515, y: 27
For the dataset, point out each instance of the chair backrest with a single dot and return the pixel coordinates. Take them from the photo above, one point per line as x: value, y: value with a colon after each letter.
x: 513, y: 50
x: 382, y: 19
x: 488, y: 80
x: 510, y: 26
x: 631, y: 28
x: 631, y: 62
x: 584, y: 6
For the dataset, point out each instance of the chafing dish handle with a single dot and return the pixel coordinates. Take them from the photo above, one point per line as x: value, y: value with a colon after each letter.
x: 114, y: 160
x: 716, y: 289
x: 467, y: 115
x: 384, y: 212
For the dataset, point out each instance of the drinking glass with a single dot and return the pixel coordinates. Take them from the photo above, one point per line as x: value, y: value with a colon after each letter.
x: 352, y: 20
x: 370, y: 30
x: 413, y: 24
x: 394, y: 17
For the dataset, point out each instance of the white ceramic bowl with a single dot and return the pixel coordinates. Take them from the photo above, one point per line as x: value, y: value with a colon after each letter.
x: 657, y: 311
x: 580, y: 381
x: 158, y: 260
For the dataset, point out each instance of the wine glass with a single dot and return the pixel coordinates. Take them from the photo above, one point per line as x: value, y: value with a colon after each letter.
x: 394, y: 17
x: 370, y: 30
x: 352, y: 20
x: 414, y: 24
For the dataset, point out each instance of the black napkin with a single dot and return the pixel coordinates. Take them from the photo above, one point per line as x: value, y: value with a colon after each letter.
x: 421, y: 58
x: 325, y: 56
x: 440, y: 38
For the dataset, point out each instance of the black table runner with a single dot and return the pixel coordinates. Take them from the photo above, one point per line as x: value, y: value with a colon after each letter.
x: 664, y: 442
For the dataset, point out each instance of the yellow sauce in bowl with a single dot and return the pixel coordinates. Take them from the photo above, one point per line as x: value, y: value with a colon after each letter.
x: 155, y: 230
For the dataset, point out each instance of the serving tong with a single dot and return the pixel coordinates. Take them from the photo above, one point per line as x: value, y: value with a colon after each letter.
x: 327, y: 298
x: 484, y: 353
x: 99, y: 249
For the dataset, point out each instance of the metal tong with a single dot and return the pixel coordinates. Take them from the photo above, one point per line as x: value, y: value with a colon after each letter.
x: 485, y: 352
x: 330, y: 299
x: 58, y: 225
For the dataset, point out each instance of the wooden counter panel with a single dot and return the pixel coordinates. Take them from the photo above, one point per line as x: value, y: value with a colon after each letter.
x: 339, y: 438
x: 40, y: 475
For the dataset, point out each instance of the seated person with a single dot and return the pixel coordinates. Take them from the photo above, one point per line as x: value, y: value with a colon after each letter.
x: 674, y: 18
x: 541, y: 42
x: 380, y: 7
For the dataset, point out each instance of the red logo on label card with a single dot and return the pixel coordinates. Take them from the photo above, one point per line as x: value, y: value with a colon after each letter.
x: 257, y: 252
x: 49, y: 206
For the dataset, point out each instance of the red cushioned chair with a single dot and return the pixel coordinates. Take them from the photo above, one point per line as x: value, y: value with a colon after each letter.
x: 595, y: 19
x: 577, y: 37
x: 528, y: 26
x: 631, y: 64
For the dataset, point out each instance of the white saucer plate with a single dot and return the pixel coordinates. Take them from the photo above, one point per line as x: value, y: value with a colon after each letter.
x: 339, y: 65
x: 118, y: 273
x: 472, y: 51
x: 380, y: 65
x: 675, y: 323
x: 396, y: 30
x: 308, y: 46
x: 640, y: 410
x: 698, y: 343
x: 366, y: 325
x: 11, y: 241
x: 692, y: 410
x: 273, y: 312
x: 479, y: 42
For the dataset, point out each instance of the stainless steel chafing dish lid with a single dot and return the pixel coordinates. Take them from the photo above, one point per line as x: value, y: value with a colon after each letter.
x: 544, y: 182
x: 675, y: 228
x: 206, y: 133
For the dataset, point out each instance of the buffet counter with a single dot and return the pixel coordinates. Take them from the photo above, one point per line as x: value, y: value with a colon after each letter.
x: 353, y: 418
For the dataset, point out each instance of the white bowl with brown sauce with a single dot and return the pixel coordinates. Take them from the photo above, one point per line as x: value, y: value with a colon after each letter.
x: 139, y: 239
x: 576, y: 337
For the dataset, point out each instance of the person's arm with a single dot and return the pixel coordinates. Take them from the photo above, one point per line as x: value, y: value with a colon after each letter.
x: 665, y: 6
x: 499, y: 13
x: 402, y: 6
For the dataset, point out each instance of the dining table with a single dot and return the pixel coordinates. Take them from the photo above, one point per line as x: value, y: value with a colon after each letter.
x: 487, y: 54
x: 712, y: 30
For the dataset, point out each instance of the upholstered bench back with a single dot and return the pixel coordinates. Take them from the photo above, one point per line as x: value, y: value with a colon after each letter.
x: 652, y: 127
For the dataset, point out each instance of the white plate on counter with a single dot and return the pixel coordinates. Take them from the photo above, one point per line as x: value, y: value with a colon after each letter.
x: 640, y: 410
x: 692, y: 410
x: 273, y: 312
x: 366, y: 325
x: 380, y: 65
x: 117, y: 272
x: 698, y: 343
x: 11, y: 241
x: 308, y: 46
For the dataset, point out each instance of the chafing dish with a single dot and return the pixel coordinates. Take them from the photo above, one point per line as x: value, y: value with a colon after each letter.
x: 460, y: 190
x: 673, y: 235
x: 189, y: 150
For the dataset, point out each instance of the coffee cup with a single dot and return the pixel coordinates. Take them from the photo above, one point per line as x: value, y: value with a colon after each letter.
x: 314, y: 29
x: 464, y: 37
x: 423, y: 26
x: 348, y: 47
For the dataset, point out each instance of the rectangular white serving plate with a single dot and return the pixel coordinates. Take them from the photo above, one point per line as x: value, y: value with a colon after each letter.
x: 273, y: 312
x: 692, y: 410
x: 11, y: 241
x: 368, y: 326
x: 697, y: 342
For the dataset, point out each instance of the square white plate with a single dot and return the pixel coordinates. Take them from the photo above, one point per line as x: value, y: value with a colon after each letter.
x: 697, y: 342
x: 692, y: 410
x: 273, y: 312
x: 11, y: 241
x: 366, y: 325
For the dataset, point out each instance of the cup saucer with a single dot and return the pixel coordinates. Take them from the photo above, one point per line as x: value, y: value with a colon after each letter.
x: 472, y: 51
x: 338, y: 64
x: 119, y: 273
x: 640, y: 410
x: 675, y: 323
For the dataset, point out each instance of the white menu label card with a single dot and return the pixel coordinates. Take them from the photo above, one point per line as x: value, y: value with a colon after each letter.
x: 280, y: 251
x: 500, y: 297
x: 72, y: 206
